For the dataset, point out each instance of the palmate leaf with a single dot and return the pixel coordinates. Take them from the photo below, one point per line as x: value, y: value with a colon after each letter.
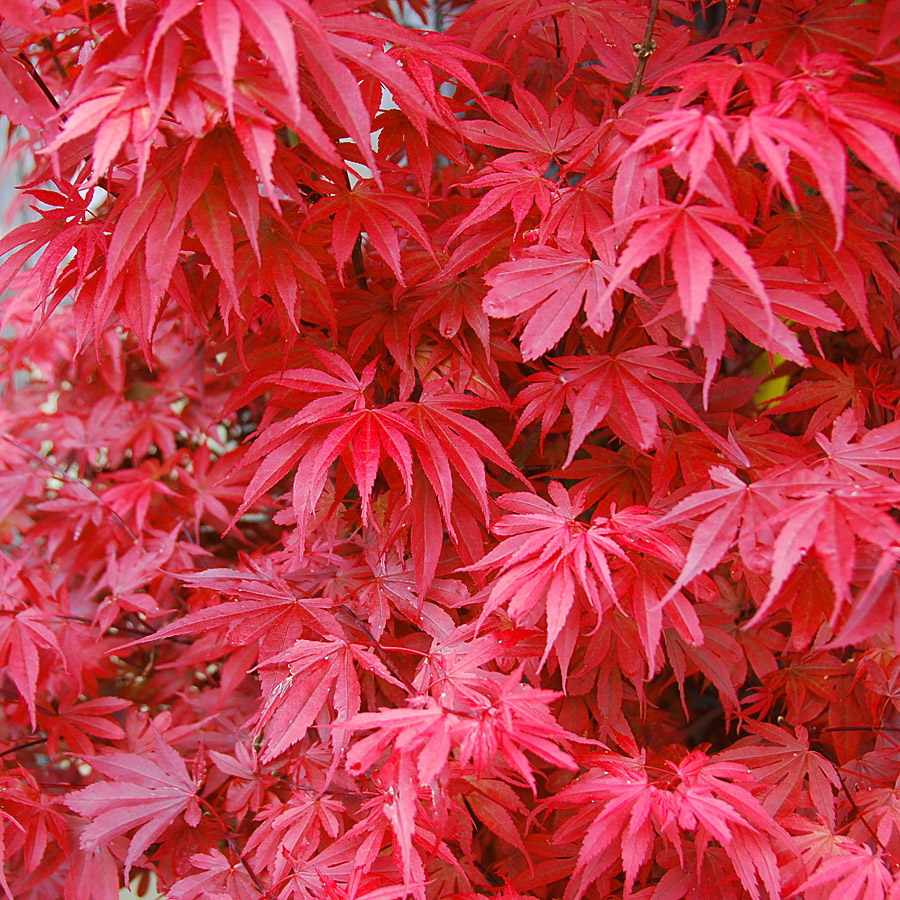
x: 535, y: 136
x: 771, y: 133
x: 62, y: 228
x: 377, y: 212
x: 547, y: 555
x: 28, y: 824
x: 858, y: 872
x: 143, y: 792
x: 829, y: 515
x: 298, y: 682
x: 624, y: 808
x: 455, y: 442
x: 305, y: 822
x: 74, y: 721
x: 730, y: 304
x: 23, y: 634
x: 270, y: 25
x: 498, y: 714
x: 784, y: 763
x: 777, y: 520
x: 547, y: 287
x: 264, y: 615
x: 807, y: 235
x: 218, y: 876
x: 286, y: 274
x: 691, y: 133
x: 508, y: 185
x: 323, y: 431
x: 141, y: 221
x: 828, y: 390
x: 694, y: 236
x: 831, y: 25
x: 550, y: 559
x: 435, y: 432
x: 247, y: 620
x: 723, y: 510
x: 870, y: 456
x: 585, y: 28
x: 370, y: 436
x: 866, y: 125
x: 630, y: 392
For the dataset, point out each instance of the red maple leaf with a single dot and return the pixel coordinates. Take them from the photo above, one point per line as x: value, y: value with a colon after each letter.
x: 784, y: 764
x: 324, y: 430
x: 298, y: 682
x: 731, y: 305
x: 550, y: 558
x: 23, y: 634
x: 623, y: 806
x: 498, y: 715
x: 535, y: 136
x: 74, y: 721
x: 546, y: 288
x: 147, y: 792
x: 218, y: 877
x: 630, y: 392
x: 695, y: 237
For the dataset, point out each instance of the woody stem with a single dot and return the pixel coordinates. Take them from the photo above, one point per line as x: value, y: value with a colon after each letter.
x: 644, y: 50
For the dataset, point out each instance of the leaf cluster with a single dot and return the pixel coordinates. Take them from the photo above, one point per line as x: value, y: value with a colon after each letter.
x: 450, y: 450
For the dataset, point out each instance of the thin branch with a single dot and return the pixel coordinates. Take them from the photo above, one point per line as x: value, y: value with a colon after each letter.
x: 379, y: 650
x: 617, y: 322
x: 644, y: 49
x: 47, y: 44
x: 359, y: 264
x: 31, y: 742
x: 861, y: 728
x: 525, y: 451
x: 754, y: 9
x: 253, y: 876
x: 19, y: 696
x: 864, y: 820
x: 62, y: 473
x: 115, y: 630
x: 36, y: 77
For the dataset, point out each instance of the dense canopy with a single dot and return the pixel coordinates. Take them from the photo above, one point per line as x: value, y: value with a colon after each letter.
x: 450, y: 449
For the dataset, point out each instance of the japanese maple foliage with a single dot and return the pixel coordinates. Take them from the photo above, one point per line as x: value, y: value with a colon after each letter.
x: 451, y: 450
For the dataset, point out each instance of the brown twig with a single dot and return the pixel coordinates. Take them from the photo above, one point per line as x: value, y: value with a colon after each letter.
x: 359, y: 266
x: 617, y: 322
x: 644, y: 49
x: 531, y: 441
x: 860, y: 728
x: 19, y: 696
x: 31, y: 742
x: 356, y: 257
x: 38, y: 80
x: 379, y: 650
x: 247, y: 868
x: 62, y: 473
x: 754, y: 10
x: 864, y: 820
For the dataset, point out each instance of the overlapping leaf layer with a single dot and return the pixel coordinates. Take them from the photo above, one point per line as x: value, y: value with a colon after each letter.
x: 449, y: 450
